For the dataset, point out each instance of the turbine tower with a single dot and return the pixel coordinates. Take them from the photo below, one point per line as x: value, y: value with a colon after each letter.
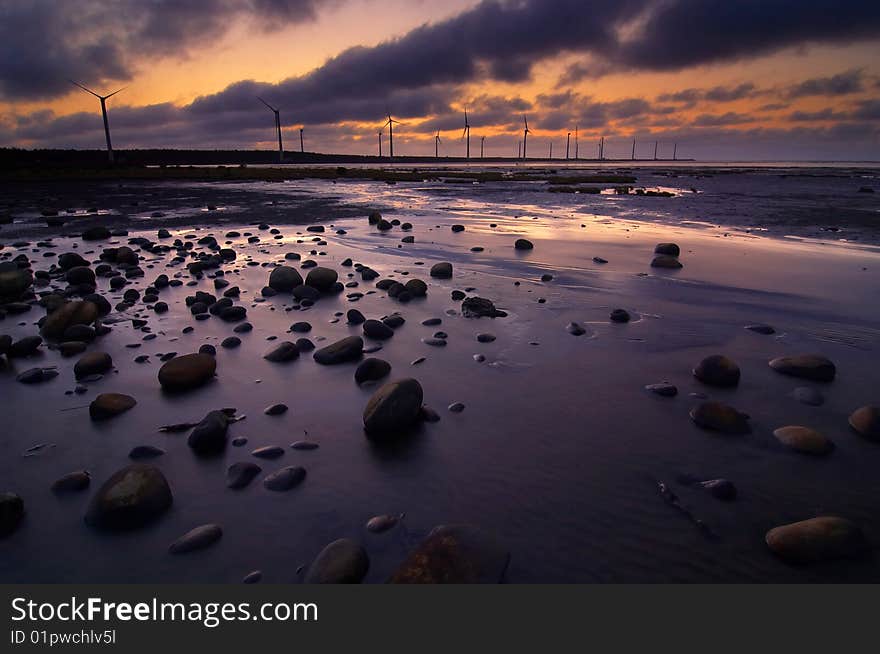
x: 634, y: 150
x: 526, y: 132
x: 380, y: 143
x: 390, y: 125
x: 437, y: 143
x: 277, y: 128
x: 103, y: 99
x: 302, y: 145
x: 674, y: 151
x: 567, y: 145
x: 466, y: 134
x: 575, y: 142
x: 655, y: 150
x: 482, y: 141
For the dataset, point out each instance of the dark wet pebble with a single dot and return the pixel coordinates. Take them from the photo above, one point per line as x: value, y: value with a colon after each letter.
x: 140, y: 452
x: 275, y: 409
x: 196, y: 539
x: 268, y: 452
x: 664, y: 389
x: 285, y: 479
x: 240, y: 474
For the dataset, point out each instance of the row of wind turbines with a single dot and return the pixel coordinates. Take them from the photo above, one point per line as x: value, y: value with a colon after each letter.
x: 389, y: 125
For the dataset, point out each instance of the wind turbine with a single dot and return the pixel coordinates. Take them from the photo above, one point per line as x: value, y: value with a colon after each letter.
x: 526, y: 132
x: 482, y: 141
x: 601, y: 148
x: 103, y: 99
x: 634, y: 150
x: 674, y: 151
x: 551, y: 149
x: 437, y: 143
x: 277, y: 128
x: 567, y: 144
x: 380, y: 143
x: 390, y: 125
x: 655, y: 150
x: 302, y: 146
x: 575, y: 142
x: 466, y: 134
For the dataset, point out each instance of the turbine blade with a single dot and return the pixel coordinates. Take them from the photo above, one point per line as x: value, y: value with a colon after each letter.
x: 115, y: 92
x: 271, y: 108
x: 84, y: 88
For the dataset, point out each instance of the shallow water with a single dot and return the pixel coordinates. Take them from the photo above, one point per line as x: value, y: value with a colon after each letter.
x: 559, y: 447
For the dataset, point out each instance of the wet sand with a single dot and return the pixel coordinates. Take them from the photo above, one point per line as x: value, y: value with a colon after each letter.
x: 559, y: 448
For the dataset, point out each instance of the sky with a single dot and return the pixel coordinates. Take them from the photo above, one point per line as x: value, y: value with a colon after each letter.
x: 732, y: 80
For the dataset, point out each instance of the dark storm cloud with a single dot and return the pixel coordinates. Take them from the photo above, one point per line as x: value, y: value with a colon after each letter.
x: 43, y: 43
x: 846, y: 83
x: 690, y: 97
x: 720, y: 120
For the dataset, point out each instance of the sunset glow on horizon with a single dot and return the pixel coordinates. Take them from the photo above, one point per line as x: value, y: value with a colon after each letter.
x: 696, y: 74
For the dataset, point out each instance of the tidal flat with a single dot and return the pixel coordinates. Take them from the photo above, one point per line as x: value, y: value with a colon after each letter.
x: 598, y: 407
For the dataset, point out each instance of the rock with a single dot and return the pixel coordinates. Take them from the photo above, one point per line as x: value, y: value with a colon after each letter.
x: 321, y: 279
x: 804, y: 440
x: 478, y: 307
x: 343, y: 351
x: 814, y: 367
x: 14, y: 281
x: 866, y: 422
x: 282, y: 353
x: 72, y: 482
x: 721, y: 418
x: 378, y: 330
x: 416, y: 288
x: 24, y: 347
x: 97, y: 233
x: 36, y: 375
x: 394, y: 408
x: 442, y: 270
x: 253, y: 577
x: 301, y: 327
x: 817, y: 539
x: 285, y: 479
x: 275, y: 409
x: 575, y: 329
x: 809, y: 396
x: 130, y: 498
x: 619, y: 316
x: 268, y: 452
x: 70, y: 260
x: 670, y: 249
x: 11, y: 513
x: 455, y: 554
x: 241, y: 474
x: 523, y: 244
x: 717, y: 370
x: 665, y: 261
x: 83, y: 333
x: 109, y: 405
x: 80, y: 275
x: 284, y: 279
x: 196, y: 539
x: 456, y: 407
x: 371, y: 369
x: 78, y: 312
x: 187, y: 372
x: 93, y: 363
x: 209, y: 436
x: 759, y: 328
x: 232, y: 314
x: 374, y: 218
x: 381, y: 523
x: 342, y: 562
x: 664, y: 389
x: 721, y: 489
x: 230, y: 342
x: 139, y: 452
x: 304, y: 445
x: 355, y: 317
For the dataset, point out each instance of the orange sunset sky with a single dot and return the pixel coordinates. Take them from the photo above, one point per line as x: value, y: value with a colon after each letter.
x: 723, y: 80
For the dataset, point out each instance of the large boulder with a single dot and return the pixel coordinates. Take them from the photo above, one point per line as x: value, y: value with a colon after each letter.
x: 866, y: 422
x: 804, y: 440
x: 348, y: 349
x: 209, y: 436
x: 455, y: 554
x: 342, y: 562
x: 322, y: 279
x: 92, y: 363
x: 479, y: 307
x: 814, y: 367
x: 284, y: 279
x: 669, y: 249
x: 717, y: 370
x: 282, y: 353
x: 817, y: 539
x: 441, y: 270
x: 393, y: 409
x: 130, y: 498
x: 14, y: 281
x: 110, y: 405
x: 78, y: 312
x: 187, y: 372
